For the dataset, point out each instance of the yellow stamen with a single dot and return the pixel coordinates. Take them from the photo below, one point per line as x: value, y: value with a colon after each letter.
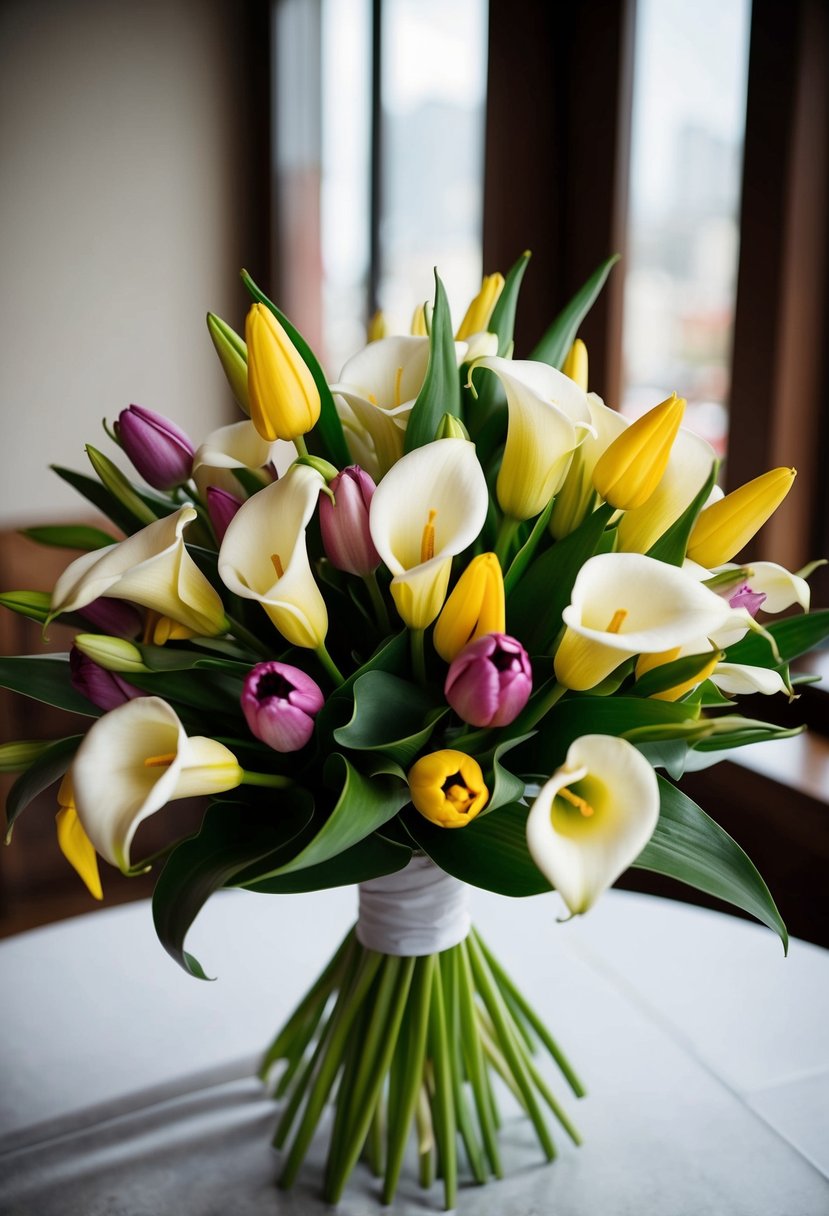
x: 372, y: 398
x: 457, y: 794
x: 277, y: 565
x: 586, y: 809
x: 160, y: 761
x: 618, y: 619
x: 398, y: 376
x: 427, y: 542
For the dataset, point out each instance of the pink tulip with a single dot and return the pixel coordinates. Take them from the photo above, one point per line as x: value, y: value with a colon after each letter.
x: 279, y: 703
x: 344, y: 523
x: 489, y: 682
x: 161, y: 452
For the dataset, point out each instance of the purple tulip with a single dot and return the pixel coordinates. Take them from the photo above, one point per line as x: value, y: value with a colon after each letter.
x: 344, y: 523
x: 489, y: 682
x: 221, y: 507
x: 160, y: 451
x: 752, y: 601
x: 118, y: 618
x: 279, y: 703
x: 103, y: 688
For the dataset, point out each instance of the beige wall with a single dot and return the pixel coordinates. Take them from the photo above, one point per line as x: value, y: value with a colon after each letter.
x: 123, y: 200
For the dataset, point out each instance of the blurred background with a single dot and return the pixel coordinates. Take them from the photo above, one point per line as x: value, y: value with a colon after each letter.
x: 340, y: 150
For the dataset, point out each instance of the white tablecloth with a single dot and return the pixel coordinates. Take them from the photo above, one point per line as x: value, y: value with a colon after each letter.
x: 126, y: 1087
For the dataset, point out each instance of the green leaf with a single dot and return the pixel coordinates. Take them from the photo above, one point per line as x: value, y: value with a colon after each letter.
x: 489, y: 852
x: 107, y: 503
x: 670, y: 754
x: 35, y: 605
x: 672, y: 544
x: 233, y: 836
x: 369, y: 858
x: 556, y: 342
x: 504, y: 786
x: 329, y: 428
x: 670, y: 675
x: 796, y: 635
x: 526, y: 553
x: 50, y: 765
x: 45, y: 677
x: 213, y: 691
x: 391, y: 656
x: 441, y: 392
x: 70, y: 536
x: 689, y: 846
x: 390, y: 715
x: 501, y: 323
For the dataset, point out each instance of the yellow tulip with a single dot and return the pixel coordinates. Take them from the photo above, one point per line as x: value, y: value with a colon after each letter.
x: 448, y: 788
x: 575, y: 365
x: 479, y: 312
x: 723, y: 528
x: 377, y: 327
x: 284, y: 400
x: 73, y: 841
x: 632, y: 467
x: 475, y: 607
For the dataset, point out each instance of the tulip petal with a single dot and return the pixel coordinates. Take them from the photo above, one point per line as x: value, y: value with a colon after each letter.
x: 689, y: 467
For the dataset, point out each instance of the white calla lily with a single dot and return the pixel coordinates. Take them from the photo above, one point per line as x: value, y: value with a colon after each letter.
x: 238, y: 446
x: 780, y: 587
x: 151, y: 568
x: 624, y: 604
x: 431, y: 505
x: 141, y: 756
x: 738, y: 679
x: 548, y: 419
x: 593, y: 818
x: 689, y: 466
x: 264, y: 556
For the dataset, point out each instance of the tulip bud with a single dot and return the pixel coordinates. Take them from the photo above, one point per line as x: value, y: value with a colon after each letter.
x: 575, y: 365
x: 479, y: 313
x: 723, y: 528
x: 221, y: 507
x: 114, y: 480
x: 161, y: 452
x: 115, y: 617
x: 279, y: 703
x: 475, y: 607
x: 344, y: 522
x: 631, y: 468
x: 103, y: 688
x: 447, y: 787
x: 451, y: 427
x: 233, y: 356
x: 377, y: 327
x: 113, y: 654
x: 490, y: 681
x: 16, y: 757
x: 284, y: 400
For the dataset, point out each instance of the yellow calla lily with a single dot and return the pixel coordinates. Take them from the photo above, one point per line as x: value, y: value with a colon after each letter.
x: 475, y: 607
x: 479, y: 312
x: 73, y: 841
x: 575, y: 365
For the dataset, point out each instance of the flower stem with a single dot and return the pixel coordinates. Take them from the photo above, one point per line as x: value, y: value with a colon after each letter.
x: 330, y: 666
x: 243, y: 634
x: 506, y: 531
x: 377, y: 602
x: 418, y: 656
x: 300, y: 445
x: 273, y: 780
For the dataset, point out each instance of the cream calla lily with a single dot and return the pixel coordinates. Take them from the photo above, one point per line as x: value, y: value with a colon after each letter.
x: 264, y: 556
x: 141, y: 756
x: 548, y: 419
x: 430, y: 506
x: 593, y: 818
x: 151, y: 568
x: 624, y: 604
x: 689, y: 466
x: 780, y: 587
x: 740, y: 679
x: 238, y: 446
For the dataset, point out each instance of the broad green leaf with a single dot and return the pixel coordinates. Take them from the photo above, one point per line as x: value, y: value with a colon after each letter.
x: 526, y: 553
x: 743, y: 735
x: 672, y: 545
x: 51, y: 764
x: 35, y: 605
x: 329, y: 428
x: 369, y: 858
x: 490, y: 852
x: 691, y: 847
x: 559, y: 337
x: 670, y: 754
x: 212, y: 691
x: 390, y: 715
x: 796, y: 635
x: 44, y: 677
x: 441, y: 392
x: 504, y: 786
x: 233, y: 836
x: 107, y: 503
x: 670, y: 675
x: 70, y: 536
x: 391, y: 656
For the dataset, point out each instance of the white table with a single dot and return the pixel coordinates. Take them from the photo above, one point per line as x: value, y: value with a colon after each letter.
x: 126, y: 1086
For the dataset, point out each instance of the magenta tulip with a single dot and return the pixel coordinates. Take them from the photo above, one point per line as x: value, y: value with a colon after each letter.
x: 118, y: 618
x: 279, y: 703
x: 161, y: 452
x: 221, y: 507
x: 103, y: 688
x: 344, y: 522
x: 489, y: 682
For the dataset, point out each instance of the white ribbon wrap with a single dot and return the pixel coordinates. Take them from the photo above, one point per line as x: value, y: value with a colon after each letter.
x: 418, y: 910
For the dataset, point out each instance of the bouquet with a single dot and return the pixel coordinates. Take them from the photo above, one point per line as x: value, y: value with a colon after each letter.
x: 450, y: 620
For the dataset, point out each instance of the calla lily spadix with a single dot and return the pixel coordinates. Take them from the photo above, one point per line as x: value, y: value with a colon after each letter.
x: 264, y: 556
x: 624, y: 604
x: 140, y: 755
x: 238, y: 446
x: 151, y: 568
x: 688, y: 469
x: 430, y: 506
x: 548, y: 419
x: 593, y: 818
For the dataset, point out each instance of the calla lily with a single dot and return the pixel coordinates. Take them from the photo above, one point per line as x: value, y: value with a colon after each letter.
x: 778, y: 586
x: 479, y: 312
x: 264, y: 557
x: 139, y: 753
x: 740, y: 679
x: 688, y: 469
x: 429, y: 507
x: 577, y: 493
x: 576, y: 364
x: 151, y: 568
x: 548, y: 419
x: 238, y: 446
x: 73, y: 841
x: 593, y: 818
x: 625, y: 604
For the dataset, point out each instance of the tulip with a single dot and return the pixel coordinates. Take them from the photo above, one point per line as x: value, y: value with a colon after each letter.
x: 576, y: 495
x: 221, y: 507
x: 479, y: 312
x: 430, y: 506
x: 548, y: 419
x: 421, y: 320
x: 689, y: 467
x: 103, y: 688
x: 279, y: 703
x: 284, y: 400
x: 233, y: 356
x: 344, y: 522
x: 625, y: 604
x: 151, y: 568
x: 475, y: 607
x: 141, y: 757
x: 593, y: 818
x: 16, y: 757
x: 238, y: 446
x: 723, y: 528
x: 264, y: 556
x: 73, y: 841
x: 632, y: 467
x: 377, y: 327
x: 490, y: 681
x: 575, y: 365
x: 448, y: 788
x: 161, y: 452
x: 113, y: 617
